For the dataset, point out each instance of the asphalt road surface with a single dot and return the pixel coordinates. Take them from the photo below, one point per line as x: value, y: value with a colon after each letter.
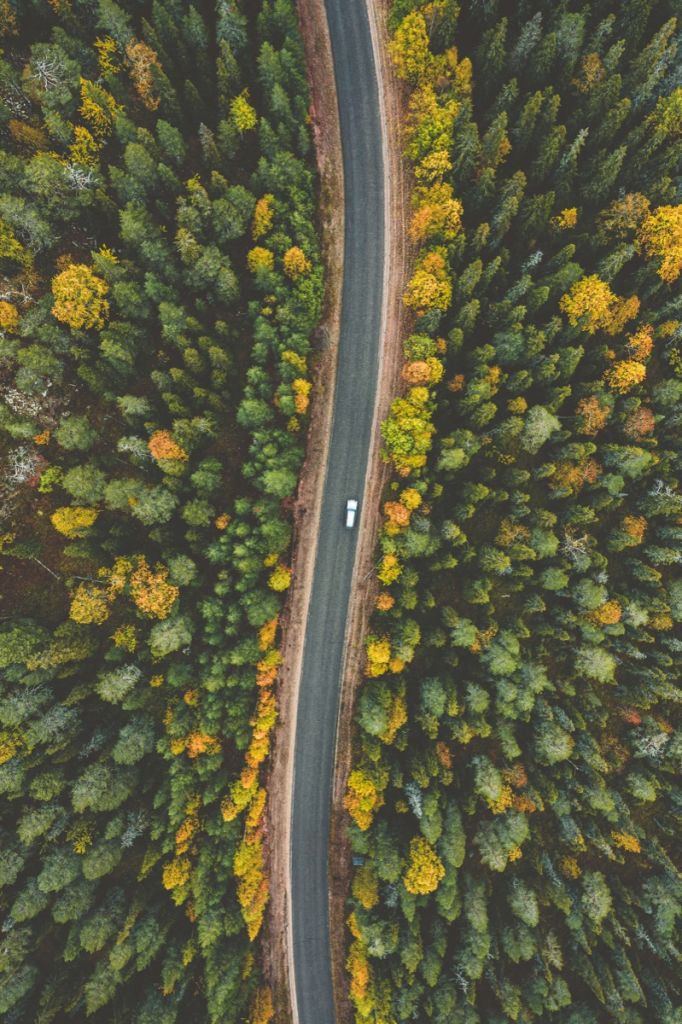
x: 356, y: 382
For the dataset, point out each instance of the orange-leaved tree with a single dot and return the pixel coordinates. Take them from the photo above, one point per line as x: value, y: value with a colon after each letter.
x: 151, y: 591
x: 641, y: 343
x: 143, y: 63
x: 437, y: 214
x: 592, y: 414
x: 162, y: 445
x: 640, y: 423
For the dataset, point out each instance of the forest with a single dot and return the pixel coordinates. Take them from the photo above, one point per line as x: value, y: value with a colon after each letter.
x: 159, y: 283
x: 515, y: 791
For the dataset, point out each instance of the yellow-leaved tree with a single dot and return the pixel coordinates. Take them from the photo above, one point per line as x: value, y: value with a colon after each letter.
x: 252, y: 882
x: 9, y: 317
x: 280, y: 578
x: 98, y: 107
x: 259, y: 259
x: 244, y: 117
x: 410, y: 50
x: 263, y: 216
x: 408, y: 431
x: 425, y: 870
x: 437, y: 214
x: 592, y: 301
x: 73, y: 520
x: 625, y: 375
x: 378, y: 655
x: 366, y: 887
x: 262, y: 1010
x: 79, y: 297
x: 365, y: 794
x: 660, y: 235
x: 429, y: 286
x: 90, y: 604
x: 430, y: 122
x: 296, y: 262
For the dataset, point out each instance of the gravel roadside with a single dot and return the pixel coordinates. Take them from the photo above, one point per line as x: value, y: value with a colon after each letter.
x: 395, y: 328
x: 277, y: 945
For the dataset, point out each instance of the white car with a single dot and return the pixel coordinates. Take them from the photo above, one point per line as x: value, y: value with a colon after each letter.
x: 351, y: 512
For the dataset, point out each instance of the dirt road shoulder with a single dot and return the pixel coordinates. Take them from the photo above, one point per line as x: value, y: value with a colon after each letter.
x: 363, y: 595
x: 277, y: 947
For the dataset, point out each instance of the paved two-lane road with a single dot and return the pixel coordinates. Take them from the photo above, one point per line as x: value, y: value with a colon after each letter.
x: 356, y: 382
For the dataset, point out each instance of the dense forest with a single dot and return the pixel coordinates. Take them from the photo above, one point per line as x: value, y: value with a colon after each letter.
x: 515, y: 795
x: 159, y: 282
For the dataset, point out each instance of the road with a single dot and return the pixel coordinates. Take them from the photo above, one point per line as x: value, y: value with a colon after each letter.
x: 356, y: 382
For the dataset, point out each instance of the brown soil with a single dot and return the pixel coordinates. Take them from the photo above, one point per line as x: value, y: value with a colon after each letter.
x: 395, y: 327
x: 277, y: 947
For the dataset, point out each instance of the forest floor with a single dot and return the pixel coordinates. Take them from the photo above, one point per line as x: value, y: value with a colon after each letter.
x: 395, y: 328
x: 277, y: 944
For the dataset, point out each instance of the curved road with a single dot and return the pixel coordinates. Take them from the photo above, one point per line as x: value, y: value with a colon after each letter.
x: 356, y: 381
